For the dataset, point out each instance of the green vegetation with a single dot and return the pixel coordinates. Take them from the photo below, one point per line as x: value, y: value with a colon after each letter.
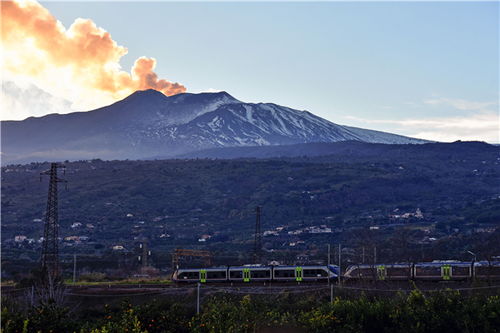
x: 440, y: 312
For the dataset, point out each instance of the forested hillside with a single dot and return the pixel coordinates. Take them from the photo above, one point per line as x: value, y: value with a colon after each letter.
x: 432, y: 197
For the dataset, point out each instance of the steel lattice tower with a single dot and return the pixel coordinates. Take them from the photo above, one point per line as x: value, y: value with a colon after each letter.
x: 50, y: 249
x: 258, y: 238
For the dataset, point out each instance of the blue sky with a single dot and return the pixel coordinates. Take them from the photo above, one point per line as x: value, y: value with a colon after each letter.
x: 405, y: 67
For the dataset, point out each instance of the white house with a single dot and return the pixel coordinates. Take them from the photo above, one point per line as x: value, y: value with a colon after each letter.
x: 20, y: 238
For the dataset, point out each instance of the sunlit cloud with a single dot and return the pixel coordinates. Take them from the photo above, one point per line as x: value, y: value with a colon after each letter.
x: 483, y: 127
x: 80, y: 63
x: 460, y: 104
x: 481, y: 122
x: 20, y: 100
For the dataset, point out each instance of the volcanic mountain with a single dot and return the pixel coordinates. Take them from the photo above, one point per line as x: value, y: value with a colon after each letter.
x: 148, y: 123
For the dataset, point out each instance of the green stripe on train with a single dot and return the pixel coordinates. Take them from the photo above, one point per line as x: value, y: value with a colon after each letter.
x: 298, y: 274
x: 203, y: 275
x: 446, y: 272
x: 381, y: 272
x: 246, y: 274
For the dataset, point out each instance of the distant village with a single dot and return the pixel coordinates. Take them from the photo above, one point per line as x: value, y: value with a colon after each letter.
x: 83, y: 234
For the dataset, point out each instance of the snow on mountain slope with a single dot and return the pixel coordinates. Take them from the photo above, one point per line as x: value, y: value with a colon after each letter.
x: 366, y: 135
x: 243, y: 124
x: 148, y: 123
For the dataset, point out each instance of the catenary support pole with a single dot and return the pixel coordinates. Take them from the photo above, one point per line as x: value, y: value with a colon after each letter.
x: 198, y: 299
x: 340, y: 262
x: 328, y: 267
x: 74, y: 268
x: 32, y: 296
x: 329, y: 254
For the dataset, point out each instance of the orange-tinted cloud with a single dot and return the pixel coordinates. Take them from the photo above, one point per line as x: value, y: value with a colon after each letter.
x: 37, y: 45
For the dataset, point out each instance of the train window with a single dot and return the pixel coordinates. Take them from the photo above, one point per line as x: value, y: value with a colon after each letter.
x: 216, y: 274
x: 261, y: 274
x: 367, y: 272
x: 428, y: 270
x: 309, y: 273
x: 460, y: 271
x: 321, y: 273
x: 189, y: 276
x: 493, y: 271
x: 315, y: 273
x: 236, y: 274
x: 481, y: 270
x: 284, y: 273
x: 398, y: 271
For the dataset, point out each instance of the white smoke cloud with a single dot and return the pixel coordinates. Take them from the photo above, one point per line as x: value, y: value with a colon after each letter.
x: 80, y: 63
x: 19, y: 101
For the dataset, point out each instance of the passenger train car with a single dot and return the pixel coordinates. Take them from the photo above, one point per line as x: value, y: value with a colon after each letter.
x: 379, y: 272
x: 430, y: 271
x: 257, y: 273
x: 487, y: 270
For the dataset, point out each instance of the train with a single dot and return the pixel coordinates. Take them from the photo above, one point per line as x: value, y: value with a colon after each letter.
x: 425, y: 271
x: 257, y: 273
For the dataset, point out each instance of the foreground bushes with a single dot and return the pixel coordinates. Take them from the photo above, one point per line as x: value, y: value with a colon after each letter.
x: 441, y: 312
x: 444, y: 312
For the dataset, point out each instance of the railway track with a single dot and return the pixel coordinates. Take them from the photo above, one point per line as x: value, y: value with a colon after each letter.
x: 143, y: 289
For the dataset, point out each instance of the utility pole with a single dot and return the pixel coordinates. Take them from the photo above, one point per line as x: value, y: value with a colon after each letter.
x: 340, y: 262
x: 329, y: 255
x: 363, y: 260
x: 144, y: 255
x: 50, y: 250
x: 374, y: 255
x: 32, y: 296
x: 74, y: 268
x: 258, y: 237
x: 198, y: 299
x: 328, y: 267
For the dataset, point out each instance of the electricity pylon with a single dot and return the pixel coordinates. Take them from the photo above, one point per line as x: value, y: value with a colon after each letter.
x: 50, y: 249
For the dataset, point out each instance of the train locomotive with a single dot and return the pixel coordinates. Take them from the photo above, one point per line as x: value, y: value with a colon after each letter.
x: 423, y: 271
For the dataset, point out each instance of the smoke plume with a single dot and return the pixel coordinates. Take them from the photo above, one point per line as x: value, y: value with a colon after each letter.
x: 36, y: 45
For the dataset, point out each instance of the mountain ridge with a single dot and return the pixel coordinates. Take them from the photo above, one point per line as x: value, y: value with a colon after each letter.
x: 148, y: 123
x: 329, y: 149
